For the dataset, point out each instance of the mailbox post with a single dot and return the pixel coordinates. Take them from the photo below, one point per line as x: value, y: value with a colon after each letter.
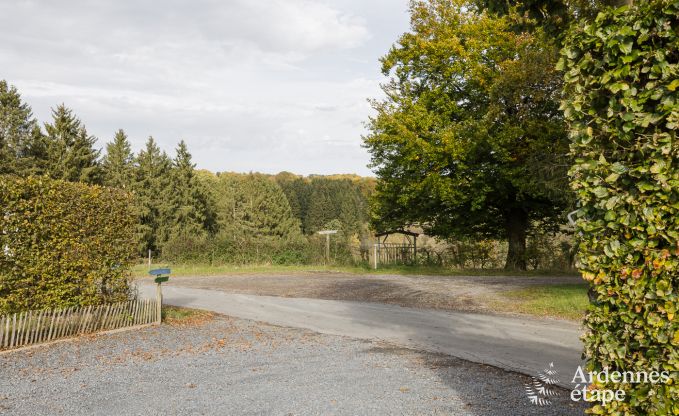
x: 162, y: 275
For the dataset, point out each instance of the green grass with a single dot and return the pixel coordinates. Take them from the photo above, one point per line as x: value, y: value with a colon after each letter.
x: 556, y: 301
x: 176, y: 315
x: 178, y: 270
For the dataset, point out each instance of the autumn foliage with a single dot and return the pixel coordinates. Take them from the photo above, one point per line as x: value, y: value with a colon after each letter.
x: 623, y: 110
x: 63, y: 244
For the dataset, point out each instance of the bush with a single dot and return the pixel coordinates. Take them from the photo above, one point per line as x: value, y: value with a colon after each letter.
x: 623, y: 108
x: 63, y: 244
x: 235, y: 248
x: 188, y: 248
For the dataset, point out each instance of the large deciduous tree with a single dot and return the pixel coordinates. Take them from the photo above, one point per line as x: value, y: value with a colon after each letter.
x: 469, y: 141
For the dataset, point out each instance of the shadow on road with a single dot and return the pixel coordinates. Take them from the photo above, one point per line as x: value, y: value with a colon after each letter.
x: 485, y: 390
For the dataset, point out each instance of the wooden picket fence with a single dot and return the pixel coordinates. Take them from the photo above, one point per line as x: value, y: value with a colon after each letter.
x: 35, y: 327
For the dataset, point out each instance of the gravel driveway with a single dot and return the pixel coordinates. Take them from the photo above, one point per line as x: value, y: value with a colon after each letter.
x: 228, y: 366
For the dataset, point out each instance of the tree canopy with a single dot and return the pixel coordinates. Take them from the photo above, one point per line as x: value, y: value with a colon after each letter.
x: 118, y: 162
x: 22, y: 146
x: 71, y: 155
x: 470, y: 140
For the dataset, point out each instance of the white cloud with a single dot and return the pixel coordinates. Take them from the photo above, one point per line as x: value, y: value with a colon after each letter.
x: 250, y: 84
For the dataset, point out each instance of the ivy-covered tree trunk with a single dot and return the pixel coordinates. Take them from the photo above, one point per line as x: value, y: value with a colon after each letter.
x: 517, y: 227
x: 622, y: 88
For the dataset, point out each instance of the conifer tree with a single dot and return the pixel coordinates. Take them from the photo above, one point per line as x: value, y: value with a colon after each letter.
x: 322, y: 206
x: 297, y: 190
x: 332, y: 199
x: 22, y: 147
x: 192, y: 214
x: 255, y: 206
x: 118, y: 162
x: 70, y: 149
x: 152, y: 186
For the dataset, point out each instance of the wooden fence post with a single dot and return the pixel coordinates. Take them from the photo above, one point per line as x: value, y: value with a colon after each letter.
x: 159, y: 303
x: 375, y: 255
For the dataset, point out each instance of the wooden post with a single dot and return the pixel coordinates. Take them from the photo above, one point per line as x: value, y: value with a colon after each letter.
x: 149, y: 259
x: 159, y: 303
x: 415, y: 250
x: 375, y: 255
x: 327, y: 248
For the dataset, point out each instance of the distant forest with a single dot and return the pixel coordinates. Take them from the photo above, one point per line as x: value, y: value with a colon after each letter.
x: 186, y: 214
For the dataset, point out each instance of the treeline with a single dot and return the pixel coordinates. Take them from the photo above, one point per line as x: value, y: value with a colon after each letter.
x: 265, y: 218
x: 184, y: 214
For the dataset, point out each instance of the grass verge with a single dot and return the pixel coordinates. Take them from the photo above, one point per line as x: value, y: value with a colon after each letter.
x: 179, y: 270
x: 173, y: 315
x: 554, y: 301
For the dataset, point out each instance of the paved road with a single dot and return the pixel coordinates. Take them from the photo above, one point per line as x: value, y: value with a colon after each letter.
x: 523, y: 345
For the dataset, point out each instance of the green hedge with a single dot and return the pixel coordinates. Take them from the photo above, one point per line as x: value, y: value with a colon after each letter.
x: 622, y: 84
x: 227, y: 248
x: 63, y: 244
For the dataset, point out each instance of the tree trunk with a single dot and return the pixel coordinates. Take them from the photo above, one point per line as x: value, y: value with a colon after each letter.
x: 517, y: 225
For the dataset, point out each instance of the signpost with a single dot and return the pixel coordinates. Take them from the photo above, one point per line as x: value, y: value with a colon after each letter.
x: 327, y: 234
x: 162, y: 275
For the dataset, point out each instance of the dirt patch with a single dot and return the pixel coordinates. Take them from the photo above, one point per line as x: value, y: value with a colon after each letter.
x: 460, y: 293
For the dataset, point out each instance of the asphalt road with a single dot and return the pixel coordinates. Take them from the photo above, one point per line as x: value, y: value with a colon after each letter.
x: 522, y: 345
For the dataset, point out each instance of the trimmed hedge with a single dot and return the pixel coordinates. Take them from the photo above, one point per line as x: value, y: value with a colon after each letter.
x: 622, y: 89
x: 63, y: 244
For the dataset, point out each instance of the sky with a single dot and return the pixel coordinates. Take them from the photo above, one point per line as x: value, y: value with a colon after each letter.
x: 250, y: 85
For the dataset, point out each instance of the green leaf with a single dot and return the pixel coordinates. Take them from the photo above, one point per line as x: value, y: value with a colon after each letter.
x: 626, y: 47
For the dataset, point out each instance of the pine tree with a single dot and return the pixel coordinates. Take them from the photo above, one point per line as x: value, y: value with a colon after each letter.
x: 297, y: 190
x: 322, y: 205
x: 70, y: 149
x: 152, y: 188
x: 191, y: 211
x: 118, y: 162
x: 254, y: 206
x: 22, y: 150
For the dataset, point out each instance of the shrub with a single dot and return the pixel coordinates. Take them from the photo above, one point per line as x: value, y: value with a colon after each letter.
x: 237, y: 248
x: 622, y: 83
x: 63, y: 244
x: 188, y: 248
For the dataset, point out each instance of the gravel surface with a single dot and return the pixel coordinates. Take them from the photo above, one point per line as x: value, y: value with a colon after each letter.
x: 227, y: 366
x: 458, y: 293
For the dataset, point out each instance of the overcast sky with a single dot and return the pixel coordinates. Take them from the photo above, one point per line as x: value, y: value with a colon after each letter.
x: 251, y: 85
